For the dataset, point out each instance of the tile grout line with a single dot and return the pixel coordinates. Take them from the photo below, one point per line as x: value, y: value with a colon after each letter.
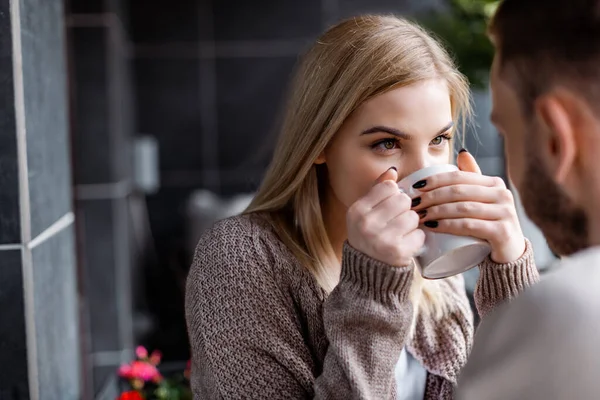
x: 24, y: 199
x: 92, y: 20
x: 11, y: 246
x: 122, y: 263
x: 61, y: 224
x: 103, y: 191
x: 111, y: 44
x: 110, y: 358
x: 208, y: 100
x: 123, y: 188
x: 221, y: 49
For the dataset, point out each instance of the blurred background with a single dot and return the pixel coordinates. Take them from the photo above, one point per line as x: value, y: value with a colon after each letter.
x: 127, y: 127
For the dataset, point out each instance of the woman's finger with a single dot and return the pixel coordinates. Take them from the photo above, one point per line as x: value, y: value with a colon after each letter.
x: 466, y: 209
x: 404, y: 223
x: 391, y: 174
x: 482, y: 229
x: 466, y: 162
x: 460, y: 193
x: 391, y: 207
x: 406, y: 245
x: 385, y: 186
x: 458, y: 178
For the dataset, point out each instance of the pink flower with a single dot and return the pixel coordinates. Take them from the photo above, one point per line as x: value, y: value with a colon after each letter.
x: 125, y: 371
x: 188, y: 370
x: 155, y: 357
x: 141, y: 352
x: 139, y: 370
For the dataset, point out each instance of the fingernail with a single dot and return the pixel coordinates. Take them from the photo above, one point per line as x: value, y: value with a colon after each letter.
x: 394, y: 168
x: 422, y: 213
x: 431, y: 224
x: 415, y: 202
x: 420, y: 184
x: 463, y: 150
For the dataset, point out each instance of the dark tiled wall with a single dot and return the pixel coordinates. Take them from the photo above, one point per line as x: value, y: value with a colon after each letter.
x: 210, y: 79
x: 38, y: 288
x: 103, y: 127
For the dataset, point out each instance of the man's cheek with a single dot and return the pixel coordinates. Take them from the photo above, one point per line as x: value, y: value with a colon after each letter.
x: 515, y: 162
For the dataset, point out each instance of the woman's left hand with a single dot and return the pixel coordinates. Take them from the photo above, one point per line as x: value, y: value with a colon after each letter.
x: 468, y: 203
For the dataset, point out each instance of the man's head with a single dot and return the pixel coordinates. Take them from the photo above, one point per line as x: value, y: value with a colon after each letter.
x: 546, y: 92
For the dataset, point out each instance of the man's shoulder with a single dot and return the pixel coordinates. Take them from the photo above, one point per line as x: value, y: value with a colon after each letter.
x: 574, y: 284
x: 563, y: 307
x: 531, y: 347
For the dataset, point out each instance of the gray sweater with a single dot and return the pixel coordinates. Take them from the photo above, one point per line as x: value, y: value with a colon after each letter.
x: 544, y: 345
x: 260, y: 327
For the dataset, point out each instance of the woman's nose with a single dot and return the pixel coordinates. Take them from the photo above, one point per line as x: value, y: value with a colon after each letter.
x: 417, y: 164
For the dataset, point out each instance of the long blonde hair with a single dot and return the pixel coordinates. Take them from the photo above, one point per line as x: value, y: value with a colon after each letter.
x: 353, y: 61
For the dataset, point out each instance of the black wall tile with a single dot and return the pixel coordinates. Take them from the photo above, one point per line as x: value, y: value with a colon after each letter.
x: 168, y: 107
x: 55, y: 312
x: 121, y: 107
x: 250, y: 102
x: 86, y: 6
x: 103, y: 377
x: 9, y: 173
x: 91, y: 138
x: 266, y: 19
x: 45, y: 98
x: 10, y: 232
x: 97, y: 221
x: 160, y: 22
x: 13, y: 372
x: 350, y: 8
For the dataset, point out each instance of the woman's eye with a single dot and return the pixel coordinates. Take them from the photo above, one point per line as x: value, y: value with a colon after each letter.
x: 439, y: 140
x: 386, y: 144
x: 389, y: 144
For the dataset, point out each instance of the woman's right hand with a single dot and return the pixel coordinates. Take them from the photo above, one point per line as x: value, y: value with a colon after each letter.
x: 382, y: 225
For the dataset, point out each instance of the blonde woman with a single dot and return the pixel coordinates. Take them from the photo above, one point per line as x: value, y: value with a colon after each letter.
x: 313, y: 293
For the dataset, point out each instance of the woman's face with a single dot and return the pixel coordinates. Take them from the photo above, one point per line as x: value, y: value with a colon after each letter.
x: 408, y: 128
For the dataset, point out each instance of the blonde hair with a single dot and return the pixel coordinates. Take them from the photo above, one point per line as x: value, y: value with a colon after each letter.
x: 353, y: 61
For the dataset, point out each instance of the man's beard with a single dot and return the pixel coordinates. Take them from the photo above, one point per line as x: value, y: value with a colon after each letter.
x: 563, y: 223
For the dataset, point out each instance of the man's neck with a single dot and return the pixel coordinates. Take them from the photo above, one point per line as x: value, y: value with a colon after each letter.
x: 594, y: 228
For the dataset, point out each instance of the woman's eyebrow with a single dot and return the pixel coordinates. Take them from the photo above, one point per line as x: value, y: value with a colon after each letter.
x: 447, y: 127
x: 386, y: 129
x: 399, y: 133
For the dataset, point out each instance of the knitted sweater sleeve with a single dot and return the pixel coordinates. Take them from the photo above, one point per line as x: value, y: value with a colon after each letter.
x: 246, y: 339
x: 498, y: 283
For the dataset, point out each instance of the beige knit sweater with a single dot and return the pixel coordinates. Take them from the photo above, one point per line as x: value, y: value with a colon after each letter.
x: 261, y: 328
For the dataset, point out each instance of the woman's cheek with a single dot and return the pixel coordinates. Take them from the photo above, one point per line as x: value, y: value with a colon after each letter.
x: 363, y: 179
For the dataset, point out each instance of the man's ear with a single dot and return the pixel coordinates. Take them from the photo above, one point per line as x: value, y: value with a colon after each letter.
x: 555, y: 113
x: 321, y: 158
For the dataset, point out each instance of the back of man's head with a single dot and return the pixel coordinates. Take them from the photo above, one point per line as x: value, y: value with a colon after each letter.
x: 542, y: 43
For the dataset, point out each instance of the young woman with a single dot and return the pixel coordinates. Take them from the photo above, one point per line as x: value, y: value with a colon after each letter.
x: 313, y: 293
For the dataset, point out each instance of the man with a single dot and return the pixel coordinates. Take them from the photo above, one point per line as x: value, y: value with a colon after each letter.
x: 545, y: 82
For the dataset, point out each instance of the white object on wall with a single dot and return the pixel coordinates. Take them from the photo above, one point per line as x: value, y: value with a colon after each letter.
x: 146, y: 164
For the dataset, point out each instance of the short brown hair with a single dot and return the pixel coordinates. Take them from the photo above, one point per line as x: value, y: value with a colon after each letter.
x: 547, y: 42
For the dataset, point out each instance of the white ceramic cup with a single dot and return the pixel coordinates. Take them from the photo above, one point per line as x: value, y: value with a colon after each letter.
x: 444, y: 255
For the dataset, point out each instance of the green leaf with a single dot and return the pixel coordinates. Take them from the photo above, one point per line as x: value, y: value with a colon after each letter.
x: 462, y: 28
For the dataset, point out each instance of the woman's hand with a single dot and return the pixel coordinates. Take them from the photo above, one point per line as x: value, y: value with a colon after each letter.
x: 382, y: 225
x: 470, y: 204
